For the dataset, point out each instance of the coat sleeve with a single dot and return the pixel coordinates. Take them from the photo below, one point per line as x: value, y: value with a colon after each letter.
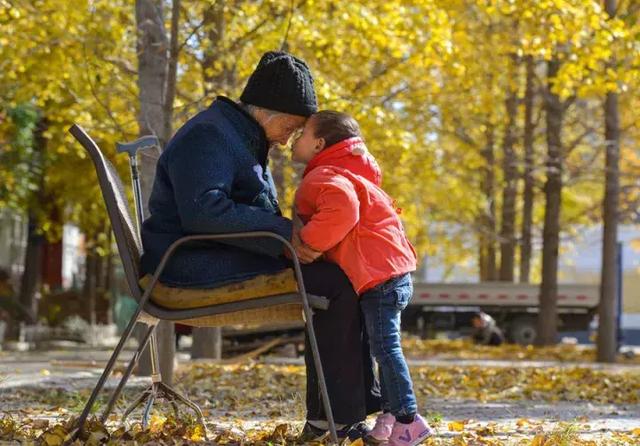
x: 336, y: 211
x: 202, y: 176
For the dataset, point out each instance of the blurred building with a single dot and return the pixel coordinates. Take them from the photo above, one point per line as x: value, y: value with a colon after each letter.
x: 13, y: 242
x: 62, y: 261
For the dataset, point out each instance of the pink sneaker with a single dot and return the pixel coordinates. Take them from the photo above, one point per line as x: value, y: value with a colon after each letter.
x: 410, y: 434
x: 382, y: 430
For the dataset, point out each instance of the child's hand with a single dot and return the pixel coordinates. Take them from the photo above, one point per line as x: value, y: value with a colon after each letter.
x: 305, y: 253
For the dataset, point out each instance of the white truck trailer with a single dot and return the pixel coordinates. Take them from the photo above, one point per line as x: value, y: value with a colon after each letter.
x: 449, y: 306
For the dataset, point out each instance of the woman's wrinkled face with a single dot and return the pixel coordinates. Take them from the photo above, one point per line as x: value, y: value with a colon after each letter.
x: 280, y: 126
x: 306, y: 146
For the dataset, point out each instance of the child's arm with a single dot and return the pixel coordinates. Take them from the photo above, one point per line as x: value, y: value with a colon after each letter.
x: 336, y: 212
x: 305, y: 253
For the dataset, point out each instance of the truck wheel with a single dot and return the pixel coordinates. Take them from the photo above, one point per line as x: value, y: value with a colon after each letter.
x: 523, y: 330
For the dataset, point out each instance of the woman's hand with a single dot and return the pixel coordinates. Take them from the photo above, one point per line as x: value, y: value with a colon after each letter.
x: 305, y: 253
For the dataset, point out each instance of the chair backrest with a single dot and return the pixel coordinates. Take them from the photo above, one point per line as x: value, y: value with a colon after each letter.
x: 115, y: 199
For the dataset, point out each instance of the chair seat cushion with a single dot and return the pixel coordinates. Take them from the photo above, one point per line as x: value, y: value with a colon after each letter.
x: 260, y: 286
x: 258, y: 317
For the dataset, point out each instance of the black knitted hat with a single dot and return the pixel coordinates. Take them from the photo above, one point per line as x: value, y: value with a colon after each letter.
x: 283, y: 83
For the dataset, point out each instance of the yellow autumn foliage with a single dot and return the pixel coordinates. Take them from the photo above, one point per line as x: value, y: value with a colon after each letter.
x: 425, y: 78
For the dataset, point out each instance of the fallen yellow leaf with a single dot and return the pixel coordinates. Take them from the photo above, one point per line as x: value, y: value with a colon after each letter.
x: 54, y: 437
x: 457, y: 426
x: 197, y: 434
x: 156, y: 423
x: 539, y: 440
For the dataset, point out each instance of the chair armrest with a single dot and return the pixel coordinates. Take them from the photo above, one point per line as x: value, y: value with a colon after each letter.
x: 318, y: 302
x: 229, y: 236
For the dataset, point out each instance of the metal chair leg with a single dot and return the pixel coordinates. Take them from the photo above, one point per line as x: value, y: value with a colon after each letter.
x: 169, y: 391
x: 125, y: 377
x: 156, y: 377
x: 321, y: 379
x: 147, y: 408
x: 135, y: 403
x: 308, y: 315
x: 160, y: 390
x: 103, y: 378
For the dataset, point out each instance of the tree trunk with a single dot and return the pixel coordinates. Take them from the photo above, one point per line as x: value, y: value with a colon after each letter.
x: 528, y: 193
x: 32, y: 273
x: 172, y: 74
x: 510, y: 173
x: 482, y: 255
x: 215, y: 24
x: 153, y: 63
x: 152, y: 45
x: 207, y: 343
x: 487, y: 247
x: 548, y: 315
x: 109, y: 283
x: 153, y: 66
x: 606, y: 343
x: 90, y: 285
x: 100, y: 273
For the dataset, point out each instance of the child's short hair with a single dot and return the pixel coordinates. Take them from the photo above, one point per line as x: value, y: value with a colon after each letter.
x: 334, y: 126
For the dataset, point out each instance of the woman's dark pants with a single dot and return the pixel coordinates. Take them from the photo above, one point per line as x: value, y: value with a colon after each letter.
x: 344, y: 350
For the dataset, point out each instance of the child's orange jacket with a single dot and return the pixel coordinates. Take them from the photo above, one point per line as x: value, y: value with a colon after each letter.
x: 350, y: 218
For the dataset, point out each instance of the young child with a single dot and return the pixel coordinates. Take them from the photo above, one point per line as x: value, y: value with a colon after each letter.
x: 354, y: 223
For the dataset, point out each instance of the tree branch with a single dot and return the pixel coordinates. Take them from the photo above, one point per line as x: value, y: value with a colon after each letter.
x: 124, y: 65
x: 577, y: 140
x: 283, y: 46
x: 197, y: 28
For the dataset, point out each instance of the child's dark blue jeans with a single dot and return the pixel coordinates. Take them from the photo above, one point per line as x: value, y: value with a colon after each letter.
x: 381, y: 307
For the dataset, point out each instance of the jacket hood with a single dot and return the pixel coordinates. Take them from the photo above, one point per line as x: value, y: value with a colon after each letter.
x: 350, y: 154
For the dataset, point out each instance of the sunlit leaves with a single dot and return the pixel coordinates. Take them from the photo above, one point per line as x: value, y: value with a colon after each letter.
x: 425, y: 79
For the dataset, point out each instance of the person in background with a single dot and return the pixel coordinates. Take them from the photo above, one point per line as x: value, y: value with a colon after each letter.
x: 485, y: 330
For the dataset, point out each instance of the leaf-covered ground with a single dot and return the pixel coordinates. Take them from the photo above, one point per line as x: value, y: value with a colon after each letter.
x: 262, y: 403
x: 465, y: 350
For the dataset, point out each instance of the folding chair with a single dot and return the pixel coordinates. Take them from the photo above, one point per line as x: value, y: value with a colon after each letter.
x: 149, y: 313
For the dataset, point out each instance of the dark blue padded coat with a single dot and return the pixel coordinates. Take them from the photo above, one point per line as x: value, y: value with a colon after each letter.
x: 213, y: 178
